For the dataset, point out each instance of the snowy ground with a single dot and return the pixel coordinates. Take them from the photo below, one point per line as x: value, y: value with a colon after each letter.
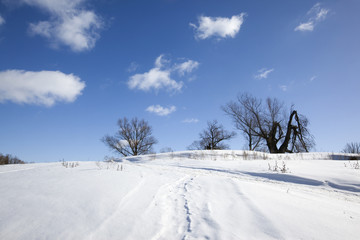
x: 184, y: 195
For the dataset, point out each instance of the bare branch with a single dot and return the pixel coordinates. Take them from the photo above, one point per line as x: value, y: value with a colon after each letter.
x: 133, y: 138
x: 268, y: 123
x: 212, y: 137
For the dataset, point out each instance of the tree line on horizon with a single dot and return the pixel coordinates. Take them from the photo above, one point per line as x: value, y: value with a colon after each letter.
x: 265, y: 125
x: 9, y: 159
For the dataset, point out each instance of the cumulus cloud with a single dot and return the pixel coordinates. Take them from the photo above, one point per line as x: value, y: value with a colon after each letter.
x: 187, y: 67
x: 263, y: 73
x: 2, y: 20
x: 154, y: 79
x: 315, y: 15
x: 40, y: 88
x: 220, y: 27
x: 161, y: 111
x: 70, y: 24
x: 190, y: 120
x: 159, y: 77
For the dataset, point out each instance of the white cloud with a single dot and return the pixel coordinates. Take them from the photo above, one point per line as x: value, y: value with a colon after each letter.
x: 263, y: 73
x: 187, y: 67
x: 41, y: 88
x: 309, y: 26
x: 2, y: 20
x: 161, y: 61
x: 313, y: 78
x: 154, y: 79
x: 70, y: 23
x: 133, y: 66
x: 284, y: 88
x: 161, y: 111
x: 315, y: 15
x: 123, y: 143
x: 218, y: 26
x: 321, y: 14
x: 191, y: 120
x: 159, y: 77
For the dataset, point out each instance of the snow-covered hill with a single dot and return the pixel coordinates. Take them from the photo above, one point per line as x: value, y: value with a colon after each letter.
x: 184, y: 195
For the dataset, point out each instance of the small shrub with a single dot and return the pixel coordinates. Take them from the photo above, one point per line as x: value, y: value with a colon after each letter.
x: 277, y: 168
x: 246, y: 155
x: 69, y: 164
x: 354, y: 165
x: 109, y: 165
x: 153, y: 156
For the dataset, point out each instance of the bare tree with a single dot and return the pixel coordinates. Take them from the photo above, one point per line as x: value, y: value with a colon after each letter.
x: 352, y: 147
x: 268, y: 123
x: 212, y: 137
x: 133, y: 138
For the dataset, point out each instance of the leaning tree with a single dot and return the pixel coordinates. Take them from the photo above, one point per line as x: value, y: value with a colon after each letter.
x: 133, y: 138
x: 268, y: 123
x: 212, y: 137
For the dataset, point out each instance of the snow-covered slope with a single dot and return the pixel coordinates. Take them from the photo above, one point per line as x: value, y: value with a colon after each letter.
x: 183, y: 195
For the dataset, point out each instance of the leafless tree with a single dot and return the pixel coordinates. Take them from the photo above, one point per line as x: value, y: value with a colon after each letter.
x: 133, y: 138
x: 352, y: 147
x: 269, y: 124
x: 212, y: 137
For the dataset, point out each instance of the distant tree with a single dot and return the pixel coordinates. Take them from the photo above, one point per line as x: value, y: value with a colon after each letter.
x: 133, y: 138
x: 269, y: 124
x: 352, y: 147
x: 9, y: 159
x: 166, y: 150
x: 212, y: 137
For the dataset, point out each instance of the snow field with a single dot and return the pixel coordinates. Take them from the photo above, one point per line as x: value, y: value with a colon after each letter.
x: 186, y: 195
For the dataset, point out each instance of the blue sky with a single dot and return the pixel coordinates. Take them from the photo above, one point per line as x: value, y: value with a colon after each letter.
x: 69, y: 69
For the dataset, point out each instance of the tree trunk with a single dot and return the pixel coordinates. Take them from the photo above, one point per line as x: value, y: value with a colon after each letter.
x: 284, y: 146
x: 270, y: 142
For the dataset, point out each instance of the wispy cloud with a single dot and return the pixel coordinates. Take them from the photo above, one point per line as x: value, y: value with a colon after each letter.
x: 187, y: 67
x: 70, y: 23
x: 283, y: 88
x: 313, y: 78
x: 308, y: 26
x: 315, y: 15
x: 40, y: 88
x: 190, y: 120
x: 2, y: 20
x: 161, y: 111
x: 133, y: 67
x: 160, y: 77
x: 220, y: 27
x: 263, y: 73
